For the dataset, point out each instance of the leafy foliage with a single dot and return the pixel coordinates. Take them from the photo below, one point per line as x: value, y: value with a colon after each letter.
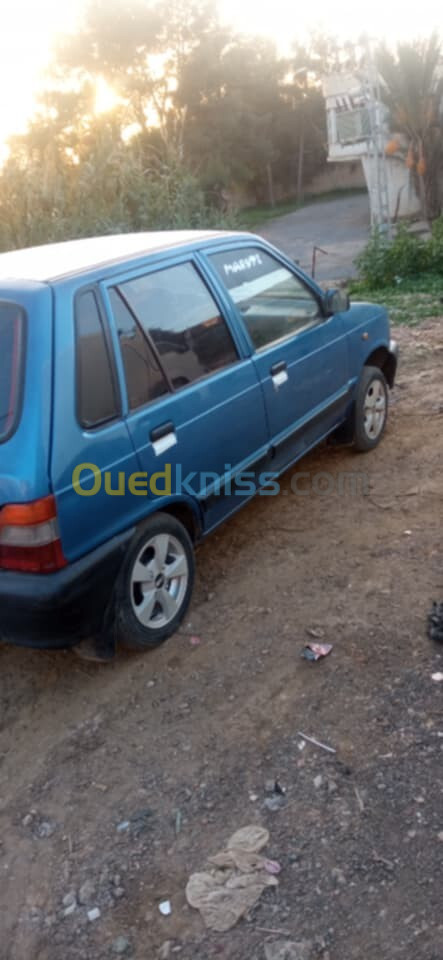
x: 383, y: 263
x: 435, y: 248
x: 197, y: 111
x: 412, y: 88
x: 108, y: 192
x: 406, y: 276
x: 410, y: 302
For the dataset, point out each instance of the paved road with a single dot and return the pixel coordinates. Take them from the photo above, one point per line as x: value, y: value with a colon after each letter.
x: 341, y: 227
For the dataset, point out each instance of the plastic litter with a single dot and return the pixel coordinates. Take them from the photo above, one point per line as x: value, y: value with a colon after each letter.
x: 438, y: 677
x: 279, y: 789
x: 165, y: 908
x: 277, y: 798
x: 141, y: 821
x: 275, y: 802
x: 435, y: 623
x: 195, y: 641
x: 93, y: 914
x: 236, y: 880
x: 273, y: 786
x: 314, y: 651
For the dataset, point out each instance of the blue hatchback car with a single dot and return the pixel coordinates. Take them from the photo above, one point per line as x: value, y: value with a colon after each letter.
x: 150, y: 384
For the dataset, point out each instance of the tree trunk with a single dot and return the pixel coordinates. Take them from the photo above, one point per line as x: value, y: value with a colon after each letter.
x: 301, y: 152
x: 270, y: 185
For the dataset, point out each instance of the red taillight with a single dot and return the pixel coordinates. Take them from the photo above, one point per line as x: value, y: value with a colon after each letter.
x: 29, y: 537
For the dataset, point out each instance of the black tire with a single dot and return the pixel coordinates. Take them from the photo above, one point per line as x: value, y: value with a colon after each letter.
x: 363, y: 441
x: 128, y: 628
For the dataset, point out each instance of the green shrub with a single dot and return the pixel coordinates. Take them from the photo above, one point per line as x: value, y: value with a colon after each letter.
x: 110, y: 191
x: 383, y: 263
x: 371, y: 262
x: 435, y: 247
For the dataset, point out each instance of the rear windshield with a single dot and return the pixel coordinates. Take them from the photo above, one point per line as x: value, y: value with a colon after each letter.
x: 11, y: 359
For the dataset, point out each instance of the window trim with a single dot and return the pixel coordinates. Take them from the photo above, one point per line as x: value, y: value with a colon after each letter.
x: 200, y: 272
x: 151, y: 346
x: 20, y: 372
x: 92, y: 428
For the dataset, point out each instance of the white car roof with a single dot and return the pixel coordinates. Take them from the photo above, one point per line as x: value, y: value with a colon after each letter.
x: 55, y: 260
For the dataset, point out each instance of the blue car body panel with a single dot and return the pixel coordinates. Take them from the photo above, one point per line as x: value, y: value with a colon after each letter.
x: 25, y: 456
x: 228, y: 422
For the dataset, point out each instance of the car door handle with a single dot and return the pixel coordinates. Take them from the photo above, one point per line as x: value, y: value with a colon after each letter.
x: 279, y: 374
x: 278, y: 368
x: 162, y: 431
x: 163, y: 437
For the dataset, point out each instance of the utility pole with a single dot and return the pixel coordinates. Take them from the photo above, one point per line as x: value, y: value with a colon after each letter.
x: 302, y: 73
x: 380, y: 213
x: 301, y: 155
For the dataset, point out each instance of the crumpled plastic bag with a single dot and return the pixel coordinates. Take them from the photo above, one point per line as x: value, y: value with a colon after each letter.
x: 237, y: 879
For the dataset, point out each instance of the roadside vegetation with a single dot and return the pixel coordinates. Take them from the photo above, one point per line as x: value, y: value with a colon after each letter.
x: 406, y: 274
x: 156, y: 114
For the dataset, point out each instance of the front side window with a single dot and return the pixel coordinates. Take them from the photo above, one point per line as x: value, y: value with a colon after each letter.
x: 96, y: 400
x: 273, y: 302
x: 11, y: 356
x: 176, y: 310
x: 144, y: 379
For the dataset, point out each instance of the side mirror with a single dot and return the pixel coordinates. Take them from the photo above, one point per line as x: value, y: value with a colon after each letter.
x: 336, y: 301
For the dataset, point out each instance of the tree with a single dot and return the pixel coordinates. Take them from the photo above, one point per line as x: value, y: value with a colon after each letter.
x: 196, y: 110
x: 140, y: 49
x: 412, y: 89
x: 218, y: 102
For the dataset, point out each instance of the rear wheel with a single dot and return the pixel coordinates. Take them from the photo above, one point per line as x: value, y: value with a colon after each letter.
x: 155, y: 584
x: 371, y: 409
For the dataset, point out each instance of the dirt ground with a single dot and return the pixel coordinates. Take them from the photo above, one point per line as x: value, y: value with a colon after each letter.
x: 129, y: 776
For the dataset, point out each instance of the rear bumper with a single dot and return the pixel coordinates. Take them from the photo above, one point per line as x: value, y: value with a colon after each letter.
x: 57, y: 610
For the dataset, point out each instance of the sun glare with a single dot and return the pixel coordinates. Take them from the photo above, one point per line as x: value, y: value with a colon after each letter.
x: 29, y: 30
x: 27, y: 34
x: 105, y: 98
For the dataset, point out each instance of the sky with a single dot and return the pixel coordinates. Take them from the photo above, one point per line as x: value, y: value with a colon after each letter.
x: 28, y: 29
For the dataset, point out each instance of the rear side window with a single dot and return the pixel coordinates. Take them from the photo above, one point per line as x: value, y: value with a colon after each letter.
x: 12, y: 323
x: 176, y: 310
x: 144, y: 379
x: 96, y: 394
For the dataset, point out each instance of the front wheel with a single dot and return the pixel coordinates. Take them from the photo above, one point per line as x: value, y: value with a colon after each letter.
x: 371, y: 409
x: 155, y: 583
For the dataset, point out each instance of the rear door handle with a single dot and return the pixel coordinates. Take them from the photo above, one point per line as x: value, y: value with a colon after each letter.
x: 163, y: 437
x: 162, y: 431
x: 278, y: 367
x: 279, y: 374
